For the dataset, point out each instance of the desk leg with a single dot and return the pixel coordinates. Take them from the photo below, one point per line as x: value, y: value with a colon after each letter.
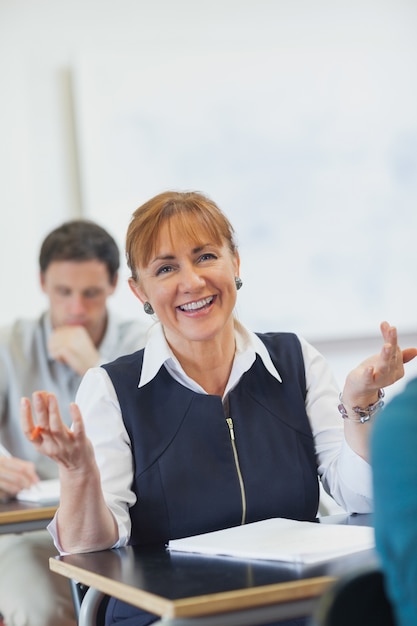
x: 89, y: 607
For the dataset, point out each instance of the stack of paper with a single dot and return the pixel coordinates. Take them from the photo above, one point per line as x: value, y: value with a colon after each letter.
x: 44, y: 492
x: 281, y: 540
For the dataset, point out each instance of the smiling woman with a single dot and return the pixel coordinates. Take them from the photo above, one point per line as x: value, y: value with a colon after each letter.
x: 210, y: 425
x: 187, y: 272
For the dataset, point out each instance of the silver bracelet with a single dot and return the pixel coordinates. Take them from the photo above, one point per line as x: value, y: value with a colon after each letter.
x: 364, y: 415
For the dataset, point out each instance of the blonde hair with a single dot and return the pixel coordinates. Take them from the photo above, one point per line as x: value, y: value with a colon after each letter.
x: 193, y: 213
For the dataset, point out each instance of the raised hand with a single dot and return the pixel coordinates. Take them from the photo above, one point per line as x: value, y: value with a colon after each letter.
x: 364, y: 382
x: 44, y: 427
x: 377, y: 371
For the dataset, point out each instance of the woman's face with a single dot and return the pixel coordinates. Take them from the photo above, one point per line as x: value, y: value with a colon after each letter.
x: 190, y: 285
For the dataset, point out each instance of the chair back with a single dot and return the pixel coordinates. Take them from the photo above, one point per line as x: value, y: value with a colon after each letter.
x: 356, y: 599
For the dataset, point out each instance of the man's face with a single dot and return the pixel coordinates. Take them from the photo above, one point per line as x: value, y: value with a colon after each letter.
x: 78, y: 292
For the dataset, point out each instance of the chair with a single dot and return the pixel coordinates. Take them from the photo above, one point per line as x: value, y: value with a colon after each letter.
x: 357, y: 598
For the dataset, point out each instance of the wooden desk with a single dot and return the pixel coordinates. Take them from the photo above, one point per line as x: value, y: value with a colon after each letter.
x: 196, y: 590
x: 16, y: 516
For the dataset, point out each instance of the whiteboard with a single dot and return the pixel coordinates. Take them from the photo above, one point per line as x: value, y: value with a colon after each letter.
x: 308, y: 144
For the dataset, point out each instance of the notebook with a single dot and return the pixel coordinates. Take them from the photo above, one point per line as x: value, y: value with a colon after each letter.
x: 44, y: 492
x: 281, y: 540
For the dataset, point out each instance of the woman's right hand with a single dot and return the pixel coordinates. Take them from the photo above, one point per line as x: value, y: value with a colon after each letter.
x: 43, y: 426
x: 92, y: 526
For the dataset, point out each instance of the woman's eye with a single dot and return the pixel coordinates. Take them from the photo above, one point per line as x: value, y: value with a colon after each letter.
x: 208, y: 256
x: 164, y: 269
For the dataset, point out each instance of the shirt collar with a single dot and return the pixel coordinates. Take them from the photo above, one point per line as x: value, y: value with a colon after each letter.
x: 158, y: 353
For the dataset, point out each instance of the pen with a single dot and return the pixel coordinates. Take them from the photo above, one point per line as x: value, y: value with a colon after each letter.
x: 4, y: 451
x: 35, y: 432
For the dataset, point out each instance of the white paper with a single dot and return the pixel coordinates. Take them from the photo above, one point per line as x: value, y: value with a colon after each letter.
x: 281, y: 540
x: 44, y: 492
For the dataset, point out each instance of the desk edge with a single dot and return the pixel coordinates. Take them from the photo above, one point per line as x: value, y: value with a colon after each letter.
x: 207, y: 604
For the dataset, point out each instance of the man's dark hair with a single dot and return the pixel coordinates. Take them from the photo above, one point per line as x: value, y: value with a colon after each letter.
x: 80, y: 240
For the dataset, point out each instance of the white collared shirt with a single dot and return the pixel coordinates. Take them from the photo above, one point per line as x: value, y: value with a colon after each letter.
x: 158, y: 353
x: 344, y: 474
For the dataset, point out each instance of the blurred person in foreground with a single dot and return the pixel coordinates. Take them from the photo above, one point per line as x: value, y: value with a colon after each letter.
x: 394, y: 463
x: 210, y: 425
x: 79, y: 264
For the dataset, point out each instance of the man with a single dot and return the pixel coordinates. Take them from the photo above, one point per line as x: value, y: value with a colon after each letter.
x: 79, y: 264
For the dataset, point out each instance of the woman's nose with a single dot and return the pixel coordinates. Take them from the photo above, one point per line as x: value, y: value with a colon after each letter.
x: 191, y: 279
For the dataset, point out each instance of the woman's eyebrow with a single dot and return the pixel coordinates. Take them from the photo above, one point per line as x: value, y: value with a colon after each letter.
x: 169, y: 256
x: 162, y: 257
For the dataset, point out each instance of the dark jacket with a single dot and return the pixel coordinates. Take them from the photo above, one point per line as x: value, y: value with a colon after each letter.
x: 185, y: 470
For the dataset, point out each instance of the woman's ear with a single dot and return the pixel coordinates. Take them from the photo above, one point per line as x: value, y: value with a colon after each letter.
x: 136, y: 290
x: 237, y: 262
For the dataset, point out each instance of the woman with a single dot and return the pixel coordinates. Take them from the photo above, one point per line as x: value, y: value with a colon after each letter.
x: 210, y: 426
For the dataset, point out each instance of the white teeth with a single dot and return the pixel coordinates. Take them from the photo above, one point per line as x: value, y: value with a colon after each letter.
x: 192, y: 306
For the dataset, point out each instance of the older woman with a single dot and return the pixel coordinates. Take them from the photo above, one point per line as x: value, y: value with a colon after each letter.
x: 210, y: 425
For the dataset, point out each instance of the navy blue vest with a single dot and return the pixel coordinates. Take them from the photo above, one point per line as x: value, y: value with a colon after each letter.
x: 185, y: 474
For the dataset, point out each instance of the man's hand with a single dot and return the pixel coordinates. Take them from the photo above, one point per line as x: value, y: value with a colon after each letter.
x: 16, y: 475
x: 73, y: 345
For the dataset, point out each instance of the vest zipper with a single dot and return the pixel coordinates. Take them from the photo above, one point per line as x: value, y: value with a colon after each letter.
x: 239, y: 473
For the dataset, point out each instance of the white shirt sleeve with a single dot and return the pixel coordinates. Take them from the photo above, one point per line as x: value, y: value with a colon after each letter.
x: 105, y: 428
x: 344, y: 474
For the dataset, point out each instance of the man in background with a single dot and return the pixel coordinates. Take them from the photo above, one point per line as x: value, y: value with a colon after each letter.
x: 79, y: 263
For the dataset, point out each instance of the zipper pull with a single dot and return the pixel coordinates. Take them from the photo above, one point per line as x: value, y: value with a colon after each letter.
x: 230, y: 425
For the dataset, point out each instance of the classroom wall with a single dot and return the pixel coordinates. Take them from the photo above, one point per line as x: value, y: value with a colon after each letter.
x: 298, y: 117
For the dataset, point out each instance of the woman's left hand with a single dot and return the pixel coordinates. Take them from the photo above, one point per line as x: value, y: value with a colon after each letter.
x: 378, y: 371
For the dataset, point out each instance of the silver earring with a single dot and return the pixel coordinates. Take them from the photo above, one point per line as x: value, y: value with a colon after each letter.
x: 147, y: 307
x: 238, y: 282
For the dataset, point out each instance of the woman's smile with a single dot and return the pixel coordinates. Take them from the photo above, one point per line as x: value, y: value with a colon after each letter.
x: 197, y: 305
